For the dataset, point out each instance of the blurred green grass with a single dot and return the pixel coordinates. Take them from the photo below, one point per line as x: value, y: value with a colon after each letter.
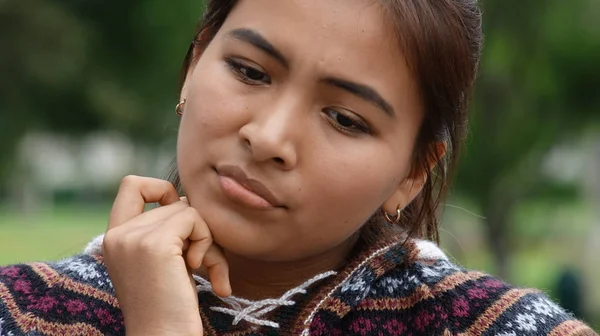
x: 48, y: 235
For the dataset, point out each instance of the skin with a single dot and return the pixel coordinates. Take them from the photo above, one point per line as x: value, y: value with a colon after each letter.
x: 284, y: 124
x: 281, y: 132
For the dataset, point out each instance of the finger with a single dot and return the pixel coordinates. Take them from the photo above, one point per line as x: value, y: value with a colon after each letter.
x: 218, y: 271
x: 132, y: 235
x: 197, y: 249
x: 216, y: 264
x: 133, y: 195
x: 203, y: 251
x: 153, y: 216
x: 189, y: 229
x: 180, y: 227
x: 188, y: 225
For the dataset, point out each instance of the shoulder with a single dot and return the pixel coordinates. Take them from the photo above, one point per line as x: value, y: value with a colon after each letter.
x: 68, y: 297
x: 417, y: 288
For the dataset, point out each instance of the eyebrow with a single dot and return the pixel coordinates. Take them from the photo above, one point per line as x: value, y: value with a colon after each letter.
x: 257, y: 40
x: 362, y: 91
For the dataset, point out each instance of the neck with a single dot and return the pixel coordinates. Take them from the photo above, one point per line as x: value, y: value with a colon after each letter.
x: 256, y: 280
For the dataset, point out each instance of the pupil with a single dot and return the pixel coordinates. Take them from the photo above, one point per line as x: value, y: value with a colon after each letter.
x: 253, y: 74
x: 344, y: 121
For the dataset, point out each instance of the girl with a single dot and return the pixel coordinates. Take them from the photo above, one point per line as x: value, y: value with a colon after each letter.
x: 315, y: 143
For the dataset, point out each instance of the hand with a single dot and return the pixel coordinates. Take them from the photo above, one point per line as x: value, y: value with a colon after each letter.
x: 150, y: 256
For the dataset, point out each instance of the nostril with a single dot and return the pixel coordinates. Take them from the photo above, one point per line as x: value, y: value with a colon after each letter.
x: 278, y: 160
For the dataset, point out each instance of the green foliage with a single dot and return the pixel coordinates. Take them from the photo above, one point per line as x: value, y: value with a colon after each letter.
x: 537, y: 87
x: 73, y: 67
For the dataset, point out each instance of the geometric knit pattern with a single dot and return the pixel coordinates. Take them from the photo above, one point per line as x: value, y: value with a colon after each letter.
x: 386, y: 288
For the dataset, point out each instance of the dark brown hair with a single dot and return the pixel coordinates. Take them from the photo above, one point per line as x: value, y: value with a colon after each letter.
x: 441, y: 41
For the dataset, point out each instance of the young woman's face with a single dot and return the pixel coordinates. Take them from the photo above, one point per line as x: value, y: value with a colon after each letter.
x: 311, y: 101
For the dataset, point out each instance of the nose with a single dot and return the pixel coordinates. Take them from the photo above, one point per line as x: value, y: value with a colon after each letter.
x: 270, y: 136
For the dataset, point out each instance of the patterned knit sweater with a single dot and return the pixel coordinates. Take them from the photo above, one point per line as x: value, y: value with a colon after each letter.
x: 387, y: 288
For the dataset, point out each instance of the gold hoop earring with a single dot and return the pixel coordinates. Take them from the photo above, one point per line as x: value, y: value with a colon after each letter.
x: 179, y: 107
x: 394, y: 219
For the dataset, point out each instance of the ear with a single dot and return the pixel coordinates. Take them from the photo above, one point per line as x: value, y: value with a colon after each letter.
x: 410, y: 187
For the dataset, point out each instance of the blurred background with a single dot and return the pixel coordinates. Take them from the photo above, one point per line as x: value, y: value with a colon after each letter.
x: 88, y: 88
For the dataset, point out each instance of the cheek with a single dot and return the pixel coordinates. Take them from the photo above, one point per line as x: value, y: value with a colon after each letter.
x: 342, y: 188
x: 352, y: 184
x: 213, y: 109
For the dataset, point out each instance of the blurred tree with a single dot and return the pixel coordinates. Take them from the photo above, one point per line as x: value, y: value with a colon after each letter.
x: 76, y: 66
x: 538, y: 84
x: 43, y: 56
x: 569, y: 292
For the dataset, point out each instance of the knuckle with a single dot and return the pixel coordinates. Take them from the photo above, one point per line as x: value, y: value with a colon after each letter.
x: 166, y: 184
x: 135, y: 182
x: 109, y: 240
x: 160, y: 183
x: 146, y: 244
x: 129, y: 181
x: 117, y: 240
x: 112, y: 245
x: 206, y: 239
x: 184, y: 216
x: 192, y: 213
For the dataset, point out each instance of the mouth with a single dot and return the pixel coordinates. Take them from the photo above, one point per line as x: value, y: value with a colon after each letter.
x: 241, y: 189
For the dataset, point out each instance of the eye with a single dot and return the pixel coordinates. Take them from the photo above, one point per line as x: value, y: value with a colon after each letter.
x: 248, y: 74
x: 346, y: 123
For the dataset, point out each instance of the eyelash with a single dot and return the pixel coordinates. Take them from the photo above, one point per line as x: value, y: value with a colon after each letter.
x: 356, y: 127
x: 242, y: 72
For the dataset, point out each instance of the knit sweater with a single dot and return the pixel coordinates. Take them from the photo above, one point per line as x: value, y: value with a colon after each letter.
x: 385, y: 288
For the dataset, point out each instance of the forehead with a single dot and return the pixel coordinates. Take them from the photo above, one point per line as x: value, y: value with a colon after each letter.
x: 330, y: 27
x: 332, y: 37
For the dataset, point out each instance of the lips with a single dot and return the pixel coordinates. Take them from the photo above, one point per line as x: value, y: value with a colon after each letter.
x: 237, y: 185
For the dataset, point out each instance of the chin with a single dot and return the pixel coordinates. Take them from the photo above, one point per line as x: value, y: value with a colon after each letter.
x: 235, y: 235
x: 245, y: 247
x: 252, y: 244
